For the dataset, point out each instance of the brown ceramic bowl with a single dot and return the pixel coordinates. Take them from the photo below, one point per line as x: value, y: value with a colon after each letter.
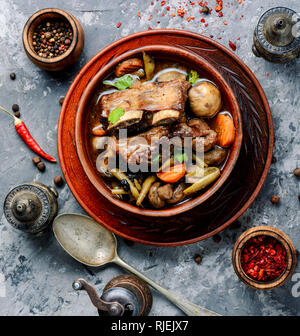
x: 182, y: 56
x: 64, y: 60
x: 291, y: 257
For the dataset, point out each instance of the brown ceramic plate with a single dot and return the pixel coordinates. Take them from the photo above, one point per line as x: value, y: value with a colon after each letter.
x: 236, y: 194
x: 179, y: 55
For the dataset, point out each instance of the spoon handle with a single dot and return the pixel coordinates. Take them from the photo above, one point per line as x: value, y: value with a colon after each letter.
x: 187, y: 307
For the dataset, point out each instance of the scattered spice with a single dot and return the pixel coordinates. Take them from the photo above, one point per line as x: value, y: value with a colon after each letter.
x: 297, y: 172
x: 202, y: 20
x: 15, y: 107
x: 219, y: 6
x: 58, y: 180
x: 198, y: 259
x: 163, y: 3
x: 263, y: 258
x: 139, y: 14
x: 27, y: 138
x: 275, y: 199
x: 217, y: 238
x: 61, y: 100
x: 41, y: 166
x: 205, y: 10
x: 12, y: 76
x: 220, y: 14
x: 52, y: 38
x: 232, y: 45
x: 119, y: 24
x: 274, y: 160
x: 36, y: 160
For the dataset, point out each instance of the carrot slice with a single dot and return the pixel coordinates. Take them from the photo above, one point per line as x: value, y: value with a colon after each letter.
x: 224, y: 126
x: 98, y: 131
x: 173, y: 175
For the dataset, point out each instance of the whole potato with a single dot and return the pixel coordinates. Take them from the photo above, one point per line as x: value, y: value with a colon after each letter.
x: 205, y: 99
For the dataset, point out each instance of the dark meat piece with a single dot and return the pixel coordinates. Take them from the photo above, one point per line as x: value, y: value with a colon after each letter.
x: 199, y: 130
x: 128, y: 66
x: 138, y: 149
x: 165, y: 98
x: 215, y: 156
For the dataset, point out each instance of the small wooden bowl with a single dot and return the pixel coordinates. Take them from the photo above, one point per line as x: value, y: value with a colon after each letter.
x: 291, y: 256
x: 64, y: 60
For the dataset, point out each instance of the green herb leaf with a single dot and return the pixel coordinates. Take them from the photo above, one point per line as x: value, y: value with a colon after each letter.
x: 121, y: 83
x: 193, y: 77
x: 180, y: 157
x: 115, y: 115
x: 156, y: 158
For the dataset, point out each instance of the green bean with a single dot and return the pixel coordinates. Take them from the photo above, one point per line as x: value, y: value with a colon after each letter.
x: 116, y: 172
x: 199, y: 162
x: 145, y: 189
x: 210, y: 175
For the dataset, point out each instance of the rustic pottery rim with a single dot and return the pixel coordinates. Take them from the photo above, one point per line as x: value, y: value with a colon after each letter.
x: 236, y: 59
x: 89, y: 168
x: 31, y: 21
x: 282, y: 238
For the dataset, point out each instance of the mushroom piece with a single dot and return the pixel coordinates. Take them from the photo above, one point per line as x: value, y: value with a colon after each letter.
x: 171, y: 74
x: 205, y: 99
x: 154, y: 198
x: 165, y: 192
x: 128, y: 66
x: 178, y: 194
x: 215, y: 156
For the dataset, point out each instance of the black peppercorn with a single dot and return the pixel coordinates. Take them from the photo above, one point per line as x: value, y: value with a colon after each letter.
x: 15, y: 107
x: 17, y: 114
x: 36, y: 160
x: 61, y: 100
x: 297, y: 172
x: 205, y: 10
x: 12, y: 76
x: 41, y: 166
x: 58, y: 180
x: 275, y: 199
x: 198, y: 259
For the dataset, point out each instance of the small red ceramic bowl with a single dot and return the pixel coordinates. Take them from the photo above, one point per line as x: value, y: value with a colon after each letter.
x: 170, y: 53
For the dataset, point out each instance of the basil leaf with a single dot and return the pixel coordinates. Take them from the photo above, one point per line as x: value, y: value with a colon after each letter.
x: 180, y: 157
x: 115, y: 115
x: 193, y: 77
x: 121, y: 83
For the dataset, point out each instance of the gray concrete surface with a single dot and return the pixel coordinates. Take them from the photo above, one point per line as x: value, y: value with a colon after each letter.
x: 35, y: 273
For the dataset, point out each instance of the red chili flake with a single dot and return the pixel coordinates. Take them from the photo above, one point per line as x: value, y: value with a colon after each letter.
x: 220, y: 14
x: 158, y: 22
x: 150, y: 17
x: 192, y: 3
x: 219, y: 6
x: 267, y: 74
x: 239, y: 1
x: 181, y: 12
x: 163, y: 3
x: 206, y: 24
x: 202, y: 20
x: 263, y: 258
x: 225, y: 23
x: 173, y: 14
x: 139, y: 15
x: 188, y: 19
x: 232, y: 45
x: 238, y: 38
x: 168, y: 8
x: 119, y: 24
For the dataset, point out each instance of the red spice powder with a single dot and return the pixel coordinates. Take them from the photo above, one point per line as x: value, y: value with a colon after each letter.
x: 263, y: 258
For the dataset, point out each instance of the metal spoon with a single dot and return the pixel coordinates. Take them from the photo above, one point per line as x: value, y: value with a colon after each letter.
x: 93, y: 245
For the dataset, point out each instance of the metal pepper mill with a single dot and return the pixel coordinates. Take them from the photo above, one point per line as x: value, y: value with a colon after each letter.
x: 125, y: 295
x: 31, y: 207
x: 277, y: 35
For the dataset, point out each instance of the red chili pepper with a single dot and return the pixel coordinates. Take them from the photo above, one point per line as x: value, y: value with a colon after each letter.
x: 27, y: 138
x: 232, y: 45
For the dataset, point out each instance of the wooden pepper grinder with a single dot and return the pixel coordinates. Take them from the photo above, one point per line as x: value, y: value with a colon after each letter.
x: 31, y: 207
x: 125, y: 295
x: 277, y: 35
